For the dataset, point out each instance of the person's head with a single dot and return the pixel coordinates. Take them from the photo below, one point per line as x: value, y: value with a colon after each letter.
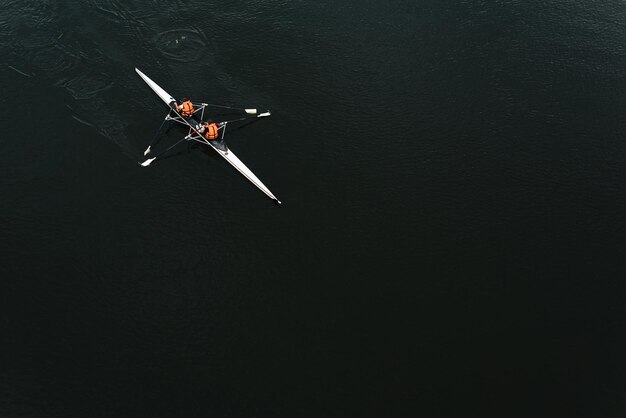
x: 209, y: 120
x: 185, y: 99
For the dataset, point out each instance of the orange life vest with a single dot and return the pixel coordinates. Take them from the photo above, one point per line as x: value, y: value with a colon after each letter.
x: 211, y: 131
x: 187, y: 109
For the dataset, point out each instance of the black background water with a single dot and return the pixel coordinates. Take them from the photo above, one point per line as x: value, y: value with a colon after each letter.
x: 451, y: 240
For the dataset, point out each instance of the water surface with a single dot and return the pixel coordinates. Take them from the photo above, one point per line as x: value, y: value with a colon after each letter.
x: 450, y: 242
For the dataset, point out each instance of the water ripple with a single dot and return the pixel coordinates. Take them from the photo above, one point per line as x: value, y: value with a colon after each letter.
x: 116, y: 10
x: 19, y: 71
x: 85, y: 86
x: 182, y: 45
x: 35, y: 39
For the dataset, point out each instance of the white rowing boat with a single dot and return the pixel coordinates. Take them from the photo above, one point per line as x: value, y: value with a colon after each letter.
x: 192, y: 123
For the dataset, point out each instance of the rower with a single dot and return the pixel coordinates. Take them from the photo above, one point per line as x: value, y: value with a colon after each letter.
x: 186, y: 108
x: 209, y: 130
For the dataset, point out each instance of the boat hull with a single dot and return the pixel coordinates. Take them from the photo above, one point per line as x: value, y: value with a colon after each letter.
x: 226, y: 153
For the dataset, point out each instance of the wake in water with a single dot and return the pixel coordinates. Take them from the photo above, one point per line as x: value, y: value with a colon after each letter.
x: 72, y: 49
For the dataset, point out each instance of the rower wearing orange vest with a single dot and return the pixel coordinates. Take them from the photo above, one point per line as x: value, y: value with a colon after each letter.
x: 210, y: 130
x: 186, y: 109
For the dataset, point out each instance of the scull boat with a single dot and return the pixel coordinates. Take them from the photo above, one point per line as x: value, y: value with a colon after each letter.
x: 194, y: 125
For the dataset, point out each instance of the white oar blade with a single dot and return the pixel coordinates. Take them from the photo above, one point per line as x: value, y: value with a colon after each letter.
x: 147, y: 151
x: 250, y: 111
x: 264, y: 114
x: 147, y: 162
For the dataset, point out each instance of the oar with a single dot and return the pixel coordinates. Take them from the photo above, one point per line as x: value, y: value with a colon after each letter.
x: 248, y: 111
x: 147, y: 151
x: 226, y: 122
x: 149, y: 160
x: 260, y: 115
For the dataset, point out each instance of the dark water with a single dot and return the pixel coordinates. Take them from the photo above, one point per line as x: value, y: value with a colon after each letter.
x: 452, y: 236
